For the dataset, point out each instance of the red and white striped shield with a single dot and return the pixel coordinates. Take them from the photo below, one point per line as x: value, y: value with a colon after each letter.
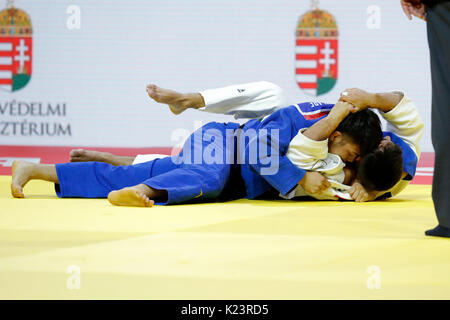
x: 15, y: 49
x: 316, y: 65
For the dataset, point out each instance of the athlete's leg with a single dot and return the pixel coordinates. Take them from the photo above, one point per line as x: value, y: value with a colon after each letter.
x: 248, y: 100
x: 81, y: 155
x: 176, y: 186
x: 98, y: 179
x: 140, y: 195
x: 178, y: 102
x: 23, y: 171
x: 438, y: 27
x: 170, y: 180
x: 203, y: 171
x: 87, y: 179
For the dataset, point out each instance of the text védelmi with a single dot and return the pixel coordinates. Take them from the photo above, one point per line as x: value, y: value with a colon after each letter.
x: 198, y: 310
x: 37, y: 109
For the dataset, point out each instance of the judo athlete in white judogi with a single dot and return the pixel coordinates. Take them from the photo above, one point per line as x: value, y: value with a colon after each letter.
x: 259, y: 99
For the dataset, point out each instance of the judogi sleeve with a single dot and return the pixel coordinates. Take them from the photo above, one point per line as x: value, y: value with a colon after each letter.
x: 275, y: 134
x: 305, y: 152
x: 405, y: 129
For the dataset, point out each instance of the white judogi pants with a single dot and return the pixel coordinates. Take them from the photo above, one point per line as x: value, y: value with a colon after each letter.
x: 248, y: 100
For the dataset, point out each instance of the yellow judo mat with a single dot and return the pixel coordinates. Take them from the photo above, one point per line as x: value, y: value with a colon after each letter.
x: 54, y: 248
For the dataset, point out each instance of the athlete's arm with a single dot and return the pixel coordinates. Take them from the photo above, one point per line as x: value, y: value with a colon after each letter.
x: 281, y: 127
x: 385, y: 101
x: 323, y: 128
x: 314, y: 182
x: 359, y: 194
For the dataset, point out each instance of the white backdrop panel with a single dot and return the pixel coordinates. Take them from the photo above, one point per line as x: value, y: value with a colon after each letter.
x: 100, y: 70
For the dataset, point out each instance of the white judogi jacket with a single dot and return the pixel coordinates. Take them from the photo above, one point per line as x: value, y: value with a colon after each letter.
x: 404, y: 121
x: 313, y: 155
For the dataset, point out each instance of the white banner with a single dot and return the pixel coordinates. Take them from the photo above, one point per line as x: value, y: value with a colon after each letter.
x: 78, y: 76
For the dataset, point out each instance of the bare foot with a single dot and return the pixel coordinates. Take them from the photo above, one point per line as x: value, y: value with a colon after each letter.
x: 22, y: 172
x: 178, y: 102
x: 133, y: 197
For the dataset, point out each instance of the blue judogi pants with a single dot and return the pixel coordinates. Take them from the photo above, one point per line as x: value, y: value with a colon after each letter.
x: 183, y: 176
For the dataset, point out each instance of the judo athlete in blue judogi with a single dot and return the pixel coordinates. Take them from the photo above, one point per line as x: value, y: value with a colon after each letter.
x: 218, y: 161
x: 228, y: 170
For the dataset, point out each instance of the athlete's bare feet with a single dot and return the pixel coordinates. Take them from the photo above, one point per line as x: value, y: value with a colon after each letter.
x: 178, y: 102
x: 136, y: 196
x: 22, y: 172
x: 81, y: 155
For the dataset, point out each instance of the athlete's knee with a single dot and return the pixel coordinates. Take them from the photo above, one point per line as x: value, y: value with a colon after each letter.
x: 270, y: 86
x: 275, y: 91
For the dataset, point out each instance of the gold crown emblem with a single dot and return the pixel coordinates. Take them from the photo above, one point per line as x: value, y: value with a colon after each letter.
x: 15, y: 22
x: 317, y: 23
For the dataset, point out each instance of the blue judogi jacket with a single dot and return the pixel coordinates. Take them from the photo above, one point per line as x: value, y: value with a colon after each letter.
x: 288, y: 121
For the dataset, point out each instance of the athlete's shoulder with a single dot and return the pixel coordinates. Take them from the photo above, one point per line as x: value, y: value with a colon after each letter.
x: 313, y: 110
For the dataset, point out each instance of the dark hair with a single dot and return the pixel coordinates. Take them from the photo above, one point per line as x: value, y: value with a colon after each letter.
x: 363, y: 128
x: 381, y: 169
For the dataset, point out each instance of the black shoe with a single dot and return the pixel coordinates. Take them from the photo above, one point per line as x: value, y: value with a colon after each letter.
x: 439, y: 231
